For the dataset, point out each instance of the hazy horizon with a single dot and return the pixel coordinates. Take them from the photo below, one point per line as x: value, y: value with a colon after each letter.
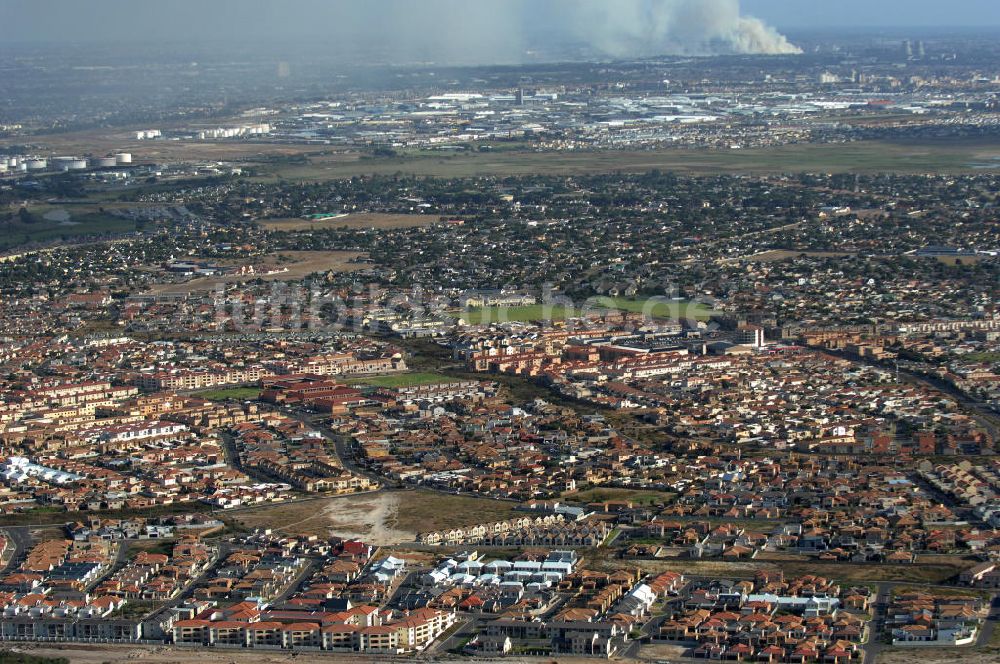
x: 480, y: 32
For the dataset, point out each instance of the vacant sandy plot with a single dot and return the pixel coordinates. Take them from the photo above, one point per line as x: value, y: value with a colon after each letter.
x: 683, y: 565
x: 371, y: 517
x: 963, y: 260
x: 299, y: 265
x: 307, y: 262
x: 990, y: 655
x: 384, y: 518
x: 776, y: 255
x: 99, y: 654
x: 372, y: 520
x: 664, y: 652
x: 366, y: 220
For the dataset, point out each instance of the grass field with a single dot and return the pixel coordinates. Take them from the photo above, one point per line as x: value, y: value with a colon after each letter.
x: 777, y: 255
x: 933, y: 574
x: 930, y: 156
x: 855, y: 574
x: 601, y: 495
x: 45, y: 515
x: 918, y: 156
x: 422, y: 511
x: 963, y: 260
x: 367, y: 220
x: 81, y: 224
x: 666, y: 309
x: 958, y: 591
x: 403, y: 380
x: 931, y: 655
x: 981, y: 357
x: 234, y: 393
x: 672, y: 309
x: 525, y: 314
x: 296, y: 265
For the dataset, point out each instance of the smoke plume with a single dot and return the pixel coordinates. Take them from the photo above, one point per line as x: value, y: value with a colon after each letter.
x: 625, y: 28
x: 441, y: 31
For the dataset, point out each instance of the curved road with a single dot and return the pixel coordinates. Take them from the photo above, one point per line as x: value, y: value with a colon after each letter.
x: 982, y: 413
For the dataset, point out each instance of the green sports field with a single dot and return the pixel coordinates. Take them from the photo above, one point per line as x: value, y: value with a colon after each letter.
x: 235, y: 393
x: 403, y: 380
x: 655, y: 308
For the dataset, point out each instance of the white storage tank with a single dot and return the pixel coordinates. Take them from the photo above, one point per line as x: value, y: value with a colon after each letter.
x: 123, y: 158
x: 37, y: 164
x: 3, y: 166
x: 69, y: 163
x: 104, y: 162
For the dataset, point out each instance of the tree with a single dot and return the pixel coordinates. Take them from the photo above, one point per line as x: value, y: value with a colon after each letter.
x: 26, y: 217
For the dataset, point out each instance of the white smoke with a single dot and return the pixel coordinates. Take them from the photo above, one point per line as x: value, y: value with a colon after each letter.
x: 629, y: 28
x: 442, y: 31
x: 500, y: 31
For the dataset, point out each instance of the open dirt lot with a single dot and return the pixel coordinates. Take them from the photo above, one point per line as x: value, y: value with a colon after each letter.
x: 303, y: 263
x: 366, y: 220
x: 384, y: 518
x: 424, y: 511
x: 776, y: 255
x: 371, y: 517
x: 990, y: 655
x: 99, y: 654
x: 862, y: 157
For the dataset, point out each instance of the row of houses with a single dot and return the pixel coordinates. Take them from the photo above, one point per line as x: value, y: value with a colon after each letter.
x: 335, y: 632
x: 476, y: 534
x: 923, y: 619
x: 770, y: 620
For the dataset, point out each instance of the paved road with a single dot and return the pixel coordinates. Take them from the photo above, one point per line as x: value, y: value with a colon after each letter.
x: 876, y: 638
x: 306, y: 572
x: 232, y: 456
x: 981, y: 411
x: 188, y: 591
x: 339, y: 441
x: 20, y: 538
x: 874, y: 645
x: 652, y: 626
x: 985, y: 415
x: 121, y: 559
x: 465, y: 629
x: 990, y: 626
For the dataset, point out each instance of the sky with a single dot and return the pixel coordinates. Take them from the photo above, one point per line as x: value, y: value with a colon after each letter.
x: 468, y: 22
x: 787, y: 14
